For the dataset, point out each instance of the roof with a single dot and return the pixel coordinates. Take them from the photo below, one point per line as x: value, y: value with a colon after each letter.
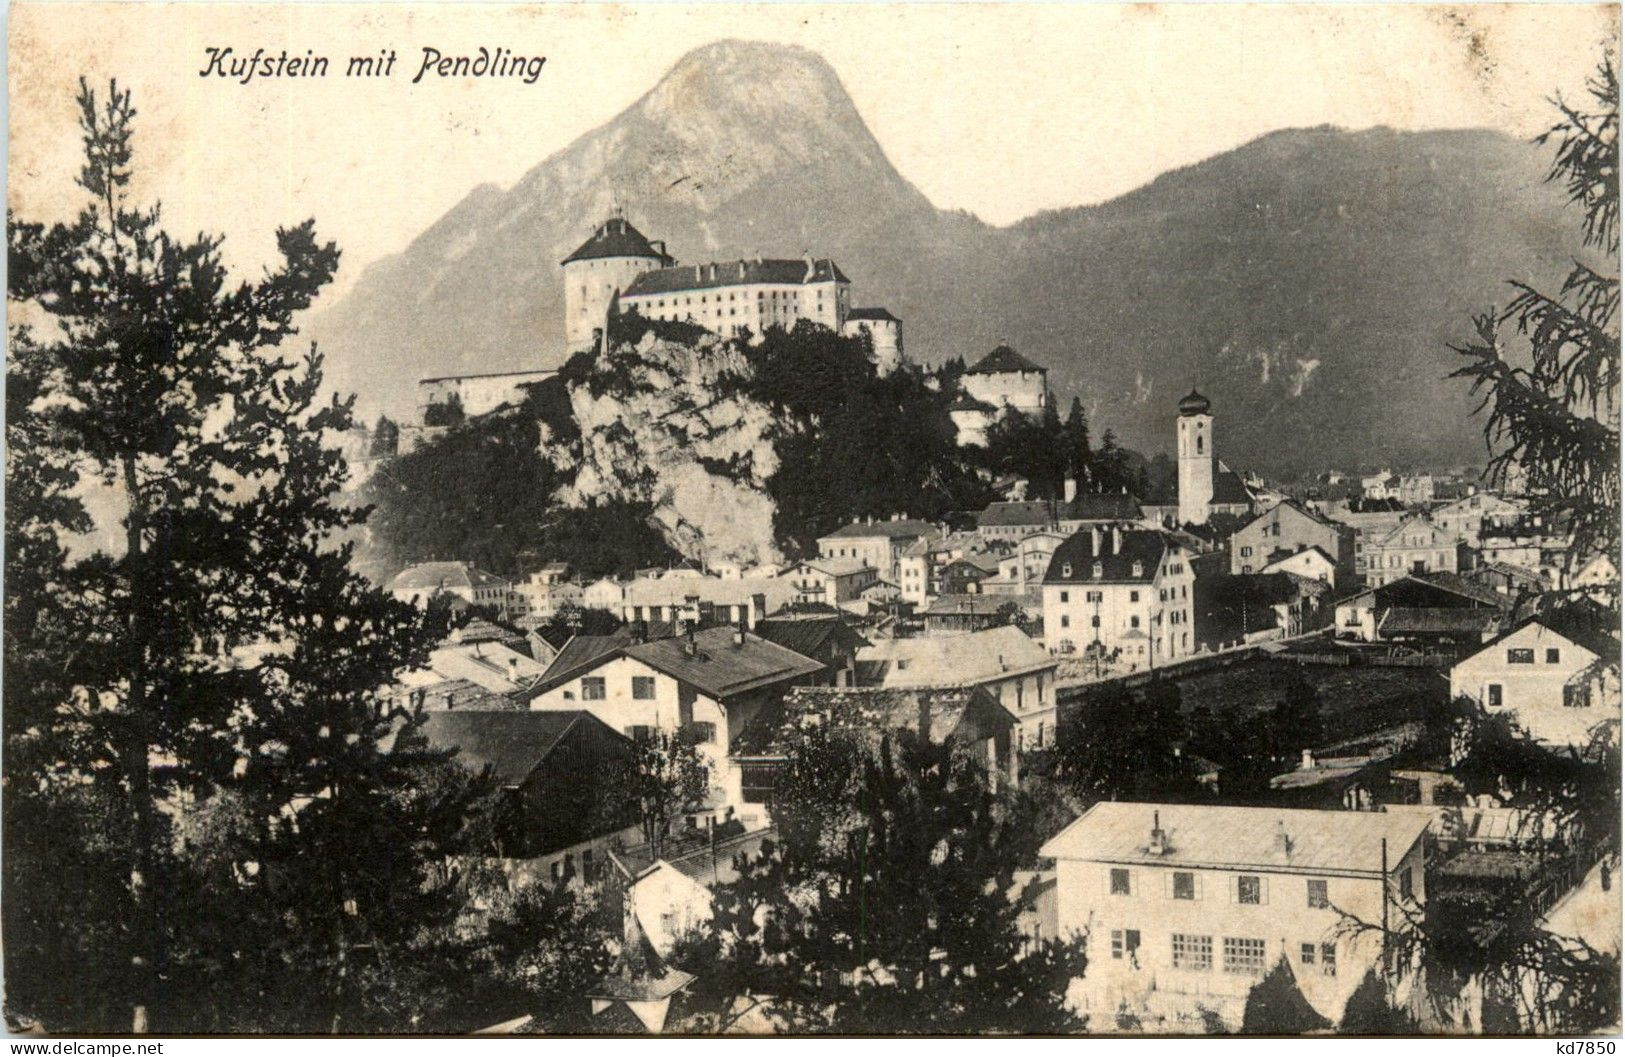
x: 1328, y: 842
x: 512, y: 744
x: 968, y: 605
x: 616, y: 237
x: 1283, y: 555
x: 837, y: 566
x: 862, y: 314
x: 953, y: 660
x: 1102, y: 506
x: 1074, y: 560
x: 1573, y: 625
x: 807, y: 636
x: 1462, y: 586
x: 436, y: 576
x: 779, y: 271
x: 1441, y: 590
x: 720, y: 666
x: 1194, y: 403
x: 582, y: 653
x: 1228, y: 488
x: 1004, y: 359
x: 891, y: 528
x: 1400, y: 620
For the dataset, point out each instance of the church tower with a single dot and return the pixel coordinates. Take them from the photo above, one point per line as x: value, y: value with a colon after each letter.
x: 605, y: 264
x: 1195, y: 459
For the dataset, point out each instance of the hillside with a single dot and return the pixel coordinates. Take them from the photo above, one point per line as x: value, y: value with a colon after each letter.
x: 1308, y: 281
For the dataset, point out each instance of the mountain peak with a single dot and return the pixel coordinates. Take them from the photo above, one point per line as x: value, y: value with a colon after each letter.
x: 751, y: 81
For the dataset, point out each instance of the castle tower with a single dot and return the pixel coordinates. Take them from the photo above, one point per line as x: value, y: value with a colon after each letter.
x: 605, y: 264
x: 1195, y: 459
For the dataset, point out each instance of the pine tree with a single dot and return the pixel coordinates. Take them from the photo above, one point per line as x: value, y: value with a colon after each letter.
x: 218, y: 694
x: 1276, y: 1006
x: 891, y: 905
x: 1556, y: 415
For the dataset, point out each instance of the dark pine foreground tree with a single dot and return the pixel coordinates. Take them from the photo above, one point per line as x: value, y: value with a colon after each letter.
x: 209, y: 824
x: 891, y: 905
x: 1554, y: 409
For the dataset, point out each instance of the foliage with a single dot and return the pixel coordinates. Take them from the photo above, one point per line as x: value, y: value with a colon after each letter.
x: 211, y: 824
x: 1555, y: 415
x: 386, y: 438
x: 1275, y: 1006
x: 897, y: 914
x: 1369, y: 1012
x: 1119, y: 745
x: 668, y: 778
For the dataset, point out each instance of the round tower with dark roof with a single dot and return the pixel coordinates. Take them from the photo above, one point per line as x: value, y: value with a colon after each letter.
x: 604, y: 265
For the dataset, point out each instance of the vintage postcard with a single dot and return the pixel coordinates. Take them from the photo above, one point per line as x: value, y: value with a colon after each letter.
x: 812, y: 519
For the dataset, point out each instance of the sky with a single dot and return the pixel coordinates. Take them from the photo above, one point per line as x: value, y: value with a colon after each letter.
x: 998, y: 109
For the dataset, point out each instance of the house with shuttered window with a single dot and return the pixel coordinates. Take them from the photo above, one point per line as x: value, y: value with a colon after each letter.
x: 1186, y: 907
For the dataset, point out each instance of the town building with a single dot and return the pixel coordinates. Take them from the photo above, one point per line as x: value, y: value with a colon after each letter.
x: 827, y: 640
x: 1466, y: 517
x: 418, y: 584
x: 1187, y: 907
x: 1416, y: 545
x: 1310, y: 563
x: 1371, y: 519
x: 709, y: 683
x: 1021, y: 571
x: 1459, y: 610
x: 999, y: 382
x: 1018, y: 520
x: 831, y: 582
x: 705, y: 601
x: 1012, y: 667
x: 1124, y: 593
x: 1556, y: 674
x: 563, y: 776
x: 959, y: 614
x: 1286, y: 530
x: 1234, y: 610
x: 969, y: 719
x: 878, y: 544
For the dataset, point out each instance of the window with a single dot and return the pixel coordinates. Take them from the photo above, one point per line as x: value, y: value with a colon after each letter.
x: 704, y: 733
x: 1246, y: 552
x: 1066, y: 568
x: 1328, y: 959
x: 1065, y: 597
x: 592, y: 688
x: 1553, y: 656
x: 1125, y: 941
x: 643, y: 688
x: 1138, y: 570
x: 1120, y: 882
x: 1308, y: 954
x: 1099, y: 570
x: 1184, y: 885
x: 1066, y: 621
x: 1133, y: 622
x: 1249, y: 890
x: 1193, y: 952
x: 1093, y: 596
x: 1243, y: 955
x: 1094, y: 621
x: 640, y: 732
x: 1134, y: 596
x: 1317, y: 895
x: 1495, y: 695
x: 1520, y: 656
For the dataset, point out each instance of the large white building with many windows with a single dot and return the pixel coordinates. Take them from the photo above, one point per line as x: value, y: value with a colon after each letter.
x: 1123, y: 593
x: 1187, y: 907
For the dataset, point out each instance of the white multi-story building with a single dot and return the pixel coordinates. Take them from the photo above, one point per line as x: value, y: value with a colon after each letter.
x: 1123, y: 592
x: 1187, y: 907
x: 602, y: 267
x: 420, y: 583
x: 880, y: 544
x: 1557, y: 678
x: 1002, y: 381
x: 1415, y: 545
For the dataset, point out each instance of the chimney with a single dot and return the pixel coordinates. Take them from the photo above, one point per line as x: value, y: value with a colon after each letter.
x: 1283, y: 843
x: 741, y: 271
x: 811, y: 269
x: 1070, y: 489
x: 1159, y: 839
x: 689, y: 649
x: 1117, y: 539
x: 513, y: 667
x: 1094, y: 539
x: 1308, y: 761
x: 739, y: 633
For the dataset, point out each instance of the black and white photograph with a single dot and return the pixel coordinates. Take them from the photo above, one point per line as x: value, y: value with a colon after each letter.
x: 775, y: 519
